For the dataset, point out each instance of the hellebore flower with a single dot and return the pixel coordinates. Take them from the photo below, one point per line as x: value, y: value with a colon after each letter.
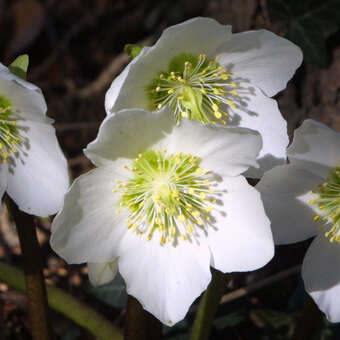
x: 165, y: 203
x: 33, y: 169
x: 303, y: 193
x: 202, y: 71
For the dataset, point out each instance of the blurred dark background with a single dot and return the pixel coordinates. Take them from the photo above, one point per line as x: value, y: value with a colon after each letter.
x: 76, y: 49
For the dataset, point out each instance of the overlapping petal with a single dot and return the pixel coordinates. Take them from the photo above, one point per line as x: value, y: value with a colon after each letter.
x: 227, y: 151
x: 254, y: 110
x: 128, y: 133
x: 315, y: 148
x: 260, y: 62
x: 285, y: 191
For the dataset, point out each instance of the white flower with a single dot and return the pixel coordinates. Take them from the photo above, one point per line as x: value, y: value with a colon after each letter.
x: 202, y: 71
x: 165, y: 203
x: 303, y: 193
x: 33, y: 170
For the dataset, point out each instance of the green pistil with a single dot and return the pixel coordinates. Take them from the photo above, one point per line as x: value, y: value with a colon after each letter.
x: 167, y: 193
x: 9, y: 133
x: 328, y: 202
x: 193, y: 87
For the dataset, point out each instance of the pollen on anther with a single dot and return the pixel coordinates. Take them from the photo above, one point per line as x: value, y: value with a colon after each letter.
x: 171, y: 205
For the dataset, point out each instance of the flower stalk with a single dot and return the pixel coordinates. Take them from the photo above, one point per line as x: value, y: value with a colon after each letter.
x: 309, y: 322
x: 140, y: 324
x: 35, y: 284
x: 208, y: 305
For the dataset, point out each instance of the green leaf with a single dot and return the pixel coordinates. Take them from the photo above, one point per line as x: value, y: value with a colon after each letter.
x: 311, y: 22
x: 19, y: 66
x: 279, y: 10
x: 312, y: 43
x: 230, y: 320
x: 133, y: 50
x: 325, y: 18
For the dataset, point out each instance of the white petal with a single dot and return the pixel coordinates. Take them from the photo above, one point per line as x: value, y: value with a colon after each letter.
x: 186, y: 37
x: 38, y: 177
x: 329, y: 302
x: 258, y: 112
x: 243, y: 240
x: 127, y: 133
x: 25, y: 97
x: 315, y: 147
x: 262, y: 57
x: 165, y: 279
x: 102, y: 273
x: 88, y: 228
x: 115, y: 87
x: 285, y: 191
x: 3, y: 181
x: 321, y: 275
x: 321, y: 265
x: 225, y: 151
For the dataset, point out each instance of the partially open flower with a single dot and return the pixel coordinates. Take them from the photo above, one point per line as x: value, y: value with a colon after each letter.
x: 33, y: 169
x: 302, y: 200
x: 201, y: 71
x: 165, y: 203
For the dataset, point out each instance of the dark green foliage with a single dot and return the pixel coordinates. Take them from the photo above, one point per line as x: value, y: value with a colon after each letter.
x: 311, y: 23
x: 229, y: 320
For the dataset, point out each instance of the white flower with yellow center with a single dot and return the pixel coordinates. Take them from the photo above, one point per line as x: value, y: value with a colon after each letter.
x: 302, y: 200
x: 33, y: 170
x: 201, y: 71
x: 164, y: 204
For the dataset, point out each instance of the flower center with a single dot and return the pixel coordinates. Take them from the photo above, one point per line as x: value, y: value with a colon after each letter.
x: 10, y: 138
x: 328, y: 202
x: 167, y: 193
x: 193, y: 87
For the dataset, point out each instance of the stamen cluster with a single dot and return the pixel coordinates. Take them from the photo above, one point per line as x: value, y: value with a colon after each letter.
x: 194, y: 87
x: 168, y: 193
x: 10, y: 138
x: 328, y: 202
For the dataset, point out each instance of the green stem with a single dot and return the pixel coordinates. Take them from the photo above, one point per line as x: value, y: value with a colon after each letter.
x: 208, y: 306
x: 34, y: 278
x: 66, y: 304
x: 140, y: 324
